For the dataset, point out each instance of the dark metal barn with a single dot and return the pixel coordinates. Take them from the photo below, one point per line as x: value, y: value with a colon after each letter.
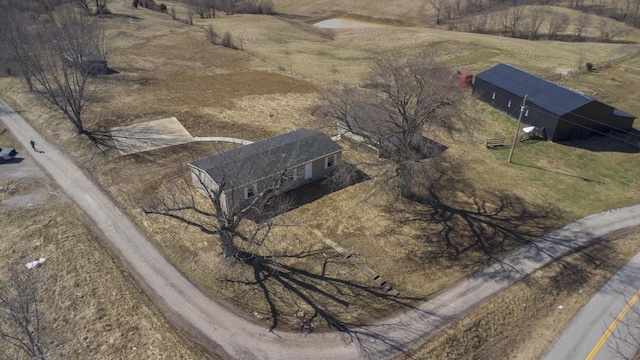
x: 564, y: 114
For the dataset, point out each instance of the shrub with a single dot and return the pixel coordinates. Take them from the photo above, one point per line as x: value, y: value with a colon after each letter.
x: 589, y: 66
x: 226, y: 40
x: 212, y: 36
x: 163, y: 8
x: 135, y: 3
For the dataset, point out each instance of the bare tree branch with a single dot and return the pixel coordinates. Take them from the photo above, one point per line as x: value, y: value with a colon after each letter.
x: 21, y: 318
x: 403, y: 100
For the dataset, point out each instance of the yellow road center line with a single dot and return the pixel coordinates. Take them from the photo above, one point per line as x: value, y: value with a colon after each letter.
x: 612, y: 327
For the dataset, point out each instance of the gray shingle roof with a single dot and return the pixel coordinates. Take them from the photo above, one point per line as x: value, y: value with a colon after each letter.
x: 549, y: 96
x: 250, y: 163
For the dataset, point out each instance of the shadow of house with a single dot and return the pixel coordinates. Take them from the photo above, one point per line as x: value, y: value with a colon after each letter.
x: 276, y: 164
x: 565, y: 114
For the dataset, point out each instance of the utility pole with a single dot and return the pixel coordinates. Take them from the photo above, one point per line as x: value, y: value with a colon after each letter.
x: 515, y: 136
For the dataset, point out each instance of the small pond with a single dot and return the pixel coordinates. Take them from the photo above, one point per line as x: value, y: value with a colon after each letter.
x: 344, y: 23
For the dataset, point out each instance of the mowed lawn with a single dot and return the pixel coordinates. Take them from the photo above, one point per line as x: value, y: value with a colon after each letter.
x: 485, y: 206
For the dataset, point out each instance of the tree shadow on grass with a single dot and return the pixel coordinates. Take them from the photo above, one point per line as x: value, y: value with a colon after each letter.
x: 470, y: 226
x: 319, y: 300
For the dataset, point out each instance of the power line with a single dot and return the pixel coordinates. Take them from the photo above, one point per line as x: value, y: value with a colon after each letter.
x: 583, y: 117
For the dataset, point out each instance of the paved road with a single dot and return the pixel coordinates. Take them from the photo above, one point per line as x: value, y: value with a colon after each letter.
x: 588, y: 327
x: 231, y: 335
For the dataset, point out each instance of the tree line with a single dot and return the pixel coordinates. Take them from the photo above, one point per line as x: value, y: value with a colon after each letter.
x: 537, y: 19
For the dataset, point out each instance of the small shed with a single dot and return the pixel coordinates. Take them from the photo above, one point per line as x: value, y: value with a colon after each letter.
x: 90, y: 63
x: 278, y: 163
x: 565, y: 114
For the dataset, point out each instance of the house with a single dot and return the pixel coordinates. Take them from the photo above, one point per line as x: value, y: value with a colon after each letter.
x: 563, y: 113
x: 278, y: 163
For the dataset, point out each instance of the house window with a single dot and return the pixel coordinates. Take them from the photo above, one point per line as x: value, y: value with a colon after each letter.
x: 493, y: 97
x: 250, y: 191
x: 329, y: 161
x: 509, y: 104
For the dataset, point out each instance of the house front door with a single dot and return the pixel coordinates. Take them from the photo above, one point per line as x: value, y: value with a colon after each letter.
x: 308, y: 172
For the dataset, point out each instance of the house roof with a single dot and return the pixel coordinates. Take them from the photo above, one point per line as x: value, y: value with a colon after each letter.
x: 249, y: 163
x: 546, y: 94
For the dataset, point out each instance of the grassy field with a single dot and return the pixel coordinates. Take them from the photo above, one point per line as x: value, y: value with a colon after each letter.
x: 524, y: 321
x: 486, y: 206
x: 92, y: 308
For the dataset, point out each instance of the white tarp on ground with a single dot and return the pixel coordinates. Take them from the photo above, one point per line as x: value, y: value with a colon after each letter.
x: 528, y: 129
x: 150, y: 135
x: 32, y: 264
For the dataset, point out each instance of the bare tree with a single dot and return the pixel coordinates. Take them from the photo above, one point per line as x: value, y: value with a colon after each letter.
x: 206, y: 8
x: 403, y: 99
x: 535, y: 16
x: 99, y: 6
x: 558, y: 22
x: 21, y: 313
x: 438, y: 6
x: 582, y: 25
x: 17, y: 42
x: 229, y: 6
x: 512, y: 19
x: 58, y: 61
x: 609, y: 29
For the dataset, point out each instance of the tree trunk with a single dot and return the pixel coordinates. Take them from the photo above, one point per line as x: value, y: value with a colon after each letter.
x: 405, y: 175
x: 226, y: 242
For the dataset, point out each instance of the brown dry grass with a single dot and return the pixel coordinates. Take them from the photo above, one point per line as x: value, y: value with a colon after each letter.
x: 167, y: 69
x: 93, y: 308
x: 524, y: 321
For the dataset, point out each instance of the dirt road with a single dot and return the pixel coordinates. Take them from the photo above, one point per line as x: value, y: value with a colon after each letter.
x: 233, y: 336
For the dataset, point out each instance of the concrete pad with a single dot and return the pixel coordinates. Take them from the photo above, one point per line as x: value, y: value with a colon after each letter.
x: 150, y: 135
x: 21, y: 168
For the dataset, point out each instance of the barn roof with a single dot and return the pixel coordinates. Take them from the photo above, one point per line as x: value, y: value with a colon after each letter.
x: 249, y: 163
x: 546, y: 94
x: 618, y: 112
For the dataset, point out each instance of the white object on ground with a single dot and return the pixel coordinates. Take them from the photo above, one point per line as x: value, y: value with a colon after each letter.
x: 32, y: 264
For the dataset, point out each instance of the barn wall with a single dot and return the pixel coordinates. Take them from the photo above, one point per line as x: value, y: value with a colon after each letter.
x: 595, y: 115
x: 485, y: 91
x: 536, y: 116
x: 622, y: 122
